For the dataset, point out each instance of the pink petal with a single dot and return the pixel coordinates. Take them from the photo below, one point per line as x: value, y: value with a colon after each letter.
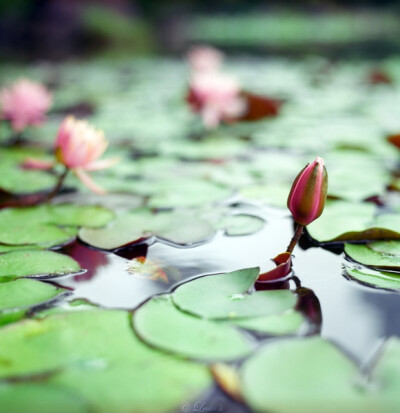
x: 32, y: 163
x: 88, y: 181
x: 102, y: 164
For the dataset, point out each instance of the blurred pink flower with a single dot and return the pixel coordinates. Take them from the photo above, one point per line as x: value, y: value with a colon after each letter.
x: 78, y: 147
x: 216, y: 96
x: 24, y: 103
x: 204, y: 59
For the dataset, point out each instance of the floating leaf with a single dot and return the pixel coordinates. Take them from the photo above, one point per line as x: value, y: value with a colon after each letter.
x: 305, y: 375
x: 39, y: 225
x: 376, y: 279
x: 15, y: 180
x: 344, y: 221
x: 228, y: 296
x: 37, y: 264
x: 26, y: 293
x: 108, y: 370
x: 378, y: 254
x: 39, y: 397
x: 160, y: 324
x: 183, y: 193
x: 177, y: 228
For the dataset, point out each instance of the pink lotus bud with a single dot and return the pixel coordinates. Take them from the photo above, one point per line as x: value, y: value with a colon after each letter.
x: 216, y: 96
x: 24, y: 103
x: 204, y: 59
x: 79, y: 146
x: 307, y: 197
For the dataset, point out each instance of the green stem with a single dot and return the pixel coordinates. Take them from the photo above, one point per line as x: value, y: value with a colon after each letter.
x: 295, y: 239
x: 57, y: 187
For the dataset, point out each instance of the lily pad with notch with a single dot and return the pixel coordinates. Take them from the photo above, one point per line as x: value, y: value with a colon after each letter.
x: 229, y: 297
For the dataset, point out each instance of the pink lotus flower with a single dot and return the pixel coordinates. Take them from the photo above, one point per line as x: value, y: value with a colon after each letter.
x: 78, y: 147
x: 216, y: 96
x: 24, y: 103
x: 307, y: 197
x: 205, y: 59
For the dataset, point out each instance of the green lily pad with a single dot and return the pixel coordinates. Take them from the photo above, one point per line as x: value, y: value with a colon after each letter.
x: 387, y: 254
x: 40, y: 225
x: 371, y: 178
x: 377, y: 279
x: 178, y: 228
x: 280, y: 324
x: 160, y: 324
x: 183, y: 227
x: 19, y: 181
x: 61, y: 215
x: 41, y: 397
x: 108, y: 370
x: 228, y: 296
x: 36, y: 264
x: 344, y: 221
x: 10, y: 248
x: 16, y: 232
x: 26, y: 293
x: 305, y: 375
x: 183, y: 193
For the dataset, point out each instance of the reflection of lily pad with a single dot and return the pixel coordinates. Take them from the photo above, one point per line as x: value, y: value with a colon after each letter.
x: 37, y: 264
x: 344, y: 221
x: 228, y: 296
x: 378, y: 254
x: 108, y: 369
x: 372, y: 278
x: 159, y: 323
